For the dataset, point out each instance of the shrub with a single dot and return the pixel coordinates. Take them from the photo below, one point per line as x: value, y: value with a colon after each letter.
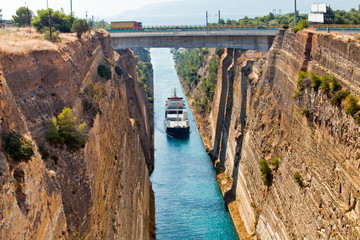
x: 301, y: 76
x: 325, y: 83
x: 80, y: 26
x: 44, y: 151
x: 118, y: 70
x: 63, y: 129
x: 265, y: 171
x: 304, y: 112
x: 55, y: 36
x: 352, y: 105
x: 104, y: 72
x: 296, y: 93
x: 17, y: 146
x: 334, y: 85
x: 316, y: 81
x: 298, y: 179
x: 338, y: 97
x: 220, y: 51
x: 275, y: 162
x: 301, y: 25
x: 285, y: 26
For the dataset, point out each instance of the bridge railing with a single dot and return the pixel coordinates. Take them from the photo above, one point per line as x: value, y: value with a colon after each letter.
x: 197, y: 28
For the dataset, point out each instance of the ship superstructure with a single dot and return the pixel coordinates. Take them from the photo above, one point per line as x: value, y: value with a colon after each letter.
x: 176, y: 117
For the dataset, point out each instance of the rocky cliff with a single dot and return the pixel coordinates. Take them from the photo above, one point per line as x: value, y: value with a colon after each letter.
x: 101, y: 191
x: 256, y: 116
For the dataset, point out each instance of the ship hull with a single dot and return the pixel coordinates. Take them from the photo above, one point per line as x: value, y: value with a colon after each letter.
x: 178, y: 132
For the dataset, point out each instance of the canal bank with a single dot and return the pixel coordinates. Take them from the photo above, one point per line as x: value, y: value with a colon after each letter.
x: 188, y: 201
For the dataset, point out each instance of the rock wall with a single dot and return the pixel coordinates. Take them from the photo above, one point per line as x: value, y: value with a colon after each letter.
x: 102, y: 191
x: 254, y: 116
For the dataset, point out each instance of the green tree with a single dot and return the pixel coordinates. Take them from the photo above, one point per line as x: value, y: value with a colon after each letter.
x: 59, y: 21
x: 63, y: 129
x: 23, y: 17
x: 80, y: 26
x: 17, y: 146
x: 265, y: 172
x: 101, y: 24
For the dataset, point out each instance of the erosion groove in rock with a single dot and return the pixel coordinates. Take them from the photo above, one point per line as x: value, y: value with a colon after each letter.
x: 102, y: 191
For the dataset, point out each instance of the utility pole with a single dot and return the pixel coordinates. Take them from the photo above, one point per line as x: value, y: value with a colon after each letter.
x: 295, y: 15
x: 47, y: 4
x: 86, y: 15
x: 50, y: 25
x: 71, y: 8
x: 219, y: 17
x: 206, y: 18
x: 28, y: 13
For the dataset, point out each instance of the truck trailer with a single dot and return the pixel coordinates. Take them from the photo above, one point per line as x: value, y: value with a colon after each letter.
x: 126, y: 25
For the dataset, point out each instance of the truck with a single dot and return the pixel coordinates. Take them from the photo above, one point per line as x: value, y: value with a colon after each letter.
x: 126, y: 25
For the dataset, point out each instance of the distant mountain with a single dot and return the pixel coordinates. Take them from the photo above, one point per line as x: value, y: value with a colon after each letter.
x: 192, y: 12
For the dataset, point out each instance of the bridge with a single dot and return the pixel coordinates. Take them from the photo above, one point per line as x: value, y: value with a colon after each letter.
x: 244, y: 37
x: 250, y: 38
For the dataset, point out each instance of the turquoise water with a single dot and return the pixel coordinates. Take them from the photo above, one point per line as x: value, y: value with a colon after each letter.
x: 188, y: 202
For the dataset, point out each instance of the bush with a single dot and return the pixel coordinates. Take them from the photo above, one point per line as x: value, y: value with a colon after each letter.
x: 296, y: 93
x: 80, y: 26
x: 298, y: 179
x: 44, y: 151
x: 265, y: 171
x: 118, y: 70
x: 301, y: 76
x: 104, y: 72
x: 352, y: 105
x: 285, y: 26
x: 334, y: 85
x: 93, y: 93
x: 220, y: 51
x: 325, y: 83
x: 316, y: 81
x: 55, y: 36
x: 301, y: 25
x: 62, y: 129
x: 275, y: 162
x: 338, y: 97
x: 17, y: 146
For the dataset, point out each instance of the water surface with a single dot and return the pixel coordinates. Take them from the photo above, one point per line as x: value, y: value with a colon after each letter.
x: 188, y: 202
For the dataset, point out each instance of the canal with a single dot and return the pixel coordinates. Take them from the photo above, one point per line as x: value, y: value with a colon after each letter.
x: 188, y: 202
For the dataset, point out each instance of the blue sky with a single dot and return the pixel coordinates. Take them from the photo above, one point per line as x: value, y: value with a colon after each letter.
x: 170, y: 12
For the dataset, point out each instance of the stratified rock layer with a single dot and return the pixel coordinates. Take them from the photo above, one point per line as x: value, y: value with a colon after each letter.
x: 102, y: 191
x: 254, y: 115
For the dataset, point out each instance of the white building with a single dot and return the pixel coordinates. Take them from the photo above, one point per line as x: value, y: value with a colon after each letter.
x: 317, y: 14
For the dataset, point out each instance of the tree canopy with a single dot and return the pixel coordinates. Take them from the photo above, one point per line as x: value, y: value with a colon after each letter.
x: 23, y: 17
x: 59, y: 20
x: 80, y: 26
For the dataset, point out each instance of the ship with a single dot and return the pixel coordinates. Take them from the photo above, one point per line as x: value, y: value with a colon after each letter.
x: 176, y: 117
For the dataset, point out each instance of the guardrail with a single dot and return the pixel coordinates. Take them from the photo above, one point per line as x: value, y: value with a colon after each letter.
x: 320, y: 27
x: 196, y: 28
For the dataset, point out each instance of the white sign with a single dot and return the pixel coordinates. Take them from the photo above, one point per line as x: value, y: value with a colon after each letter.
x: 316, y: 17
x: 318, y: 7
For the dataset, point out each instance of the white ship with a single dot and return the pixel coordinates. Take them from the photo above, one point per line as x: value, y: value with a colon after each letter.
x: 176, y: 117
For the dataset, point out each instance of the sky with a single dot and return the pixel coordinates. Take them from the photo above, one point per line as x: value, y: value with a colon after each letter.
x: 170, y: 12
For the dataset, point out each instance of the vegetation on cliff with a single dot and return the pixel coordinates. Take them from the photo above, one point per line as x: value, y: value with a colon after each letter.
x: 265, y: 171
x: 92, y: 95
x: 144, y: 71
x: 188, y: 64
x: 17, y: 146
x: 63, y: 129
x: 333, y: 88
x: 333, y: 17
x: 104, y: 72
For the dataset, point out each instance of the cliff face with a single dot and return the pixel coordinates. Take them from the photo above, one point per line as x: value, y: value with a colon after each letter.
x: 254, y: 115
x: 102, y: 191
